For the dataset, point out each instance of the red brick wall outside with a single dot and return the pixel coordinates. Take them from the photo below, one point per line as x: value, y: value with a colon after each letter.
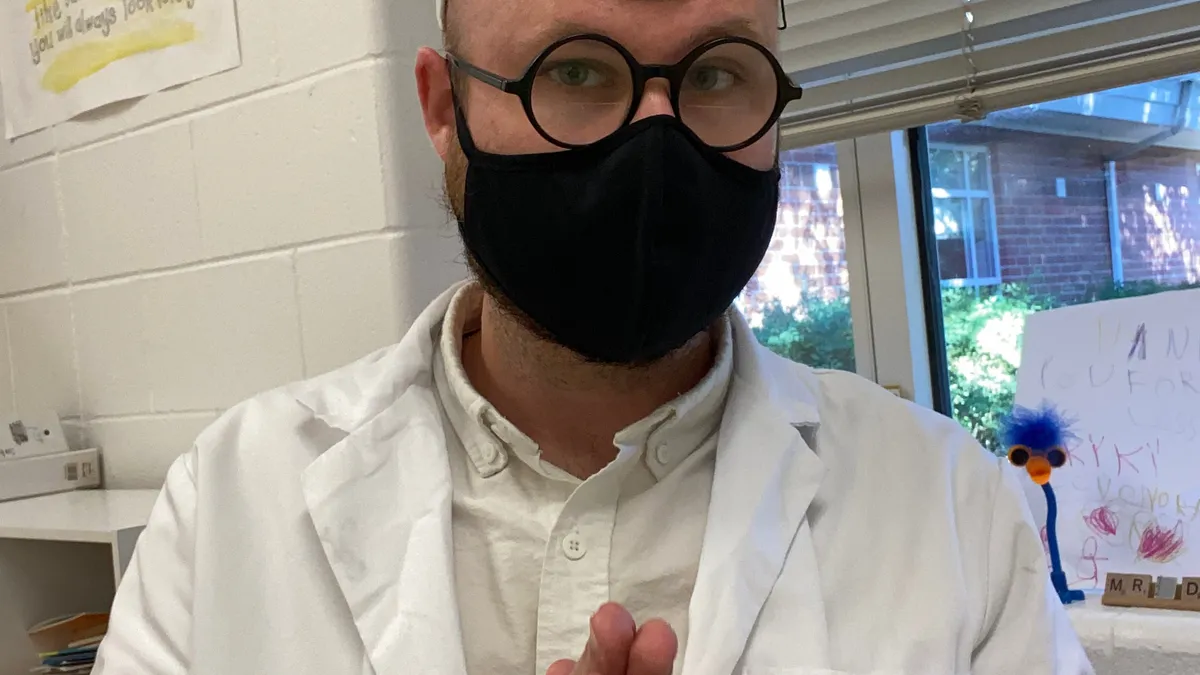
x: 1161, y: 229
x: 807, y: 257
x: 1058, y: 246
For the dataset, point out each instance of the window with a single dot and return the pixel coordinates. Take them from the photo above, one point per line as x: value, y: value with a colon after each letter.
x: 1083, y: 199
x: 799, y: 299
x: 964, y: 215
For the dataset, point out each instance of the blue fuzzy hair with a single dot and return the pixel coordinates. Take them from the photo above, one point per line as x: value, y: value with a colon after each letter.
x: 1036, y: 428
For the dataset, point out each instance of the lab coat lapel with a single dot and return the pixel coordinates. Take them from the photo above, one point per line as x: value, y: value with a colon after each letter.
x: 766, y: 478
x: 380, y: 501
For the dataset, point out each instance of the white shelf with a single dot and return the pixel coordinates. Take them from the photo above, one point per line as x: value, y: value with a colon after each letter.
x: 61, y: 554
x: 85, y: 516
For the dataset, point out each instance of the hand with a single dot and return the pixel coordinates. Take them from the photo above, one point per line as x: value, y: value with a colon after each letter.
x: 616, y: 646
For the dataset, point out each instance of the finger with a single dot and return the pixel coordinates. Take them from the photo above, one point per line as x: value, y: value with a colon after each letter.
x: 562, y: 667
x: 653, y: 650
x: 610, y: 637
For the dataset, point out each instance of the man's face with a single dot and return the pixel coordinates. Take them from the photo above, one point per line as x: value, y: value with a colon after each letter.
x: 504, y: 37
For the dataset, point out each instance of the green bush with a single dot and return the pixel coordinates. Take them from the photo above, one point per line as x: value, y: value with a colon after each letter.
x: 818, y: 333
x: 983, y: 342
x: 1130, y: 289
x: 983, y: 350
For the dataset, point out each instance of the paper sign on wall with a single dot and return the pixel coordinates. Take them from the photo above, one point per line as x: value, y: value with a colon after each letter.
x: 1128, y: 372
x: 59, y: 58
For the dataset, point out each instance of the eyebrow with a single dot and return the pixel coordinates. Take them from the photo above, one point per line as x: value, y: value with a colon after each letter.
x: 733, y: 27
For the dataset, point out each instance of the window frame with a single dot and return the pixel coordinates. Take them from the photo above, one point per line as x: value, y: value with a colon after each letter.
x: 974, y: 280
x: 883, y: 250
x: 854, y: 242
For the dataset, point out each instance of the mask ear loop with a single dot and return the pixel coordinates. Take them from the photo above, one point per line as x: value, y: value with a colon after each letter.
x: 460, y: 118
x: 783, y: 24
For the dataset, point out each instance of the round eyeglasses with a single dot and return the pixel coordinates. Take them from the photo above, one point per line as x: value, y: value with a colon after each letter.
x: 584, y: 88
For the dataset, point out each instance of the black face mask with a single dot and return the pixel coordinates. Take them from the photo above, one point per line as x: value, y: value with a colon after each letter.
x: 624, y: 250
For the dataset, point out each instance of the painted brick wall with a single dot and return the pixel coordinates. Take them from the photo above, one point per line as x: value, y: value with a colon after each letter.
x: 164, y: 258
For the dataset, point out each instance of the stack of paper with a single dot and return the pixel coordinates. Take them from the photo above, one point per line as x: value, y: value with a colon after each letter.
x: 68, y: 644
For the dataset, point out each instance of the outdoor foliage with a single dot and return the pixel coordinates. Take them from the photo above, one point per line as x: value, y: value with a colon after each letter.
x: 983, y: 343
x: 818, y: 333
x: 983, y: 350
x: 1129, y: 289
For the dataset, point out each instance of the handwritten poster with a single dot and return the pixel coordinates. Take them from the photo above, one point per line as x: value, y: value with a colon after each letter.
x: 1128, y: 372
x: 59, y: 58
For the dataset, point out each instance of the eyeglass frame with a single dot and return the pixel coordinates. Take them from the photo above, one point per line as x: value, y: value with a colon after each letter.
x: 522, y: 87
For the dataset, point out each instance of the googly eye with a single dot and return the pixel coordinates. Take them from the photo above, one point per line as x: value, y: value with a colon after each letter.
x: 1018, y: 455
x: 1057, y: 457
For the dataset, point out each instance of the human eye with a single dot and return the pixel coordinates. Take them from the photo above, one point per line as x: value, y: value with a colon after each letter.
x: 713, y: 77
x: 576, y: 73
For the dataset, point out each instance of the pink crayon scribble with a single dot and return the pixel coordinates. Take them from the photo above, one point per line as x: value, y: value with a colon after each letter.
x: 1072, y: 458
x: 1159, y: 544
x: 1103, y: 521
x: 1123, y: 458
x: 1096, y: 448
x: 1046, y: 546
x: 1089, y: 555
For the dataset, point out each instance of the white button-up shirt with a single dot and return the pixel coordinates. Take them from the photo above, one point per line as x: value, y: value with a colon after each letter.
x: 537, y: 550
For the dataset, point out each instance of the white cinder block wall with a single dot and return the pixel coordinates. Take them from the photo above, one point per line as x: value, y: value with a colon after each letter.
x: 162, y: 259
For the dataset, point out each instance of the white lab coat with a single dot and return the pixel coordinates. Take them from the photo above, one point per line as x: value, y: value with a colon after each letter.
x: 849, y: 532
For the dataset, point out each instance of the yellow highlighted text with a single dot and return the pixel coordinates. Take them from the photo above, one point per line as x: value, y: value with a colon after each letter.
x: 80, y: 62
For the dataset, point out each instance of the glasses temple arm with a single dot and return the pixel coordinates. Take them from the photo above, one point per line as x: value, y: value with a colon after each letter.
x: 486, y: 77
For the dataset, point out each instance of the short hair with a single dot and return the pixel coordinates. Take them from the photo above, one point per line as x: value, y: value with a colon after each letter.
x: 451, y: 31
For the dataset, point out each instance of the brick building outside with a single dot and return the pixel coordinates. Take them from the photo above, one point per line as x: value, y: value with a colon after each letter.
x: 1035, y: 196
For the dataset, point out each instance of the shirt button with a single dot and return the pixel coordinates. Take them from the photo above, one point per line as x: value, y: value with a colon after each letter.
x: 662, y: 454
x: 573, y: 547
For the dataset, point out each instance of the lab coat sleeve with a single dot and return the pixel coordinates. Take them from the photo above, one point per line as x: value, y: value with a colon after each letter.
x: 150, y: 625
x: 1026, y: 629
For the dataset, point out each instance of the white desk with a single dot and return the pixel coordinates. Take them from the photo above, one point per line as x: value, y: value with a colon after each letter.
x: 1134, y: 641
x: 61, y: 554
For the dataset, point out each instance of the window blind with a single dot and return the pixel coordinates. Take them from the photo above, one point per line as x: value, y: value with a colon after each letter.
x: 877, y: 65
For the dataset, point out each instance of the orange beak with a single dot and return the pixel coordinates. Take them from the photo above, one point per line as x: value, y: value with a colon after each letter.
x: 1039, y: 469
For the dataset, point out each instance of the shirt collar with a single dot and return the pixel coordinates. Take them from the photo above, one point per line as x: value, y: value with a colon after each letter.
x: 667, y: 436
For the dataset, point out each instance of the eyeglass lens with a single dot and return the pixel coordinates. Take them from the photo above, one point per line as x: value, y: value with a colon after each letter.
x: 583, y: 92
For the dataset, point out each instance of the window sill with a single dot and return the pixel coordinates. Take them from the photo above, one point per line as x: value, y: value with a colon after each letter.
x: 1134, y: 641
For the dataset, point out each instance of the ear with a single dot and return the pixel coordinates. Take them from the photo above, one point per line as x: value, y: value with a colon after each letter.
x: 437, y: 101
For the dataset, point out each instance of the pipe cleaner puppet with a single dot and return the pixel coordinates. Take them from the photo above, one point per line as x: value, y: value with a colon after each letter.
x: 1036, y: 440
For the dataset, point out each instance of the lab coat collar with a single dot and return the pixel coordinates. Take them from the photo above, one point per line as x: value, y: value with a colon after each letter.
x: 348, y: 398
x: 380, y: 502
x: 791, y: 389
x: 766, y: 477
x: 384, y: 491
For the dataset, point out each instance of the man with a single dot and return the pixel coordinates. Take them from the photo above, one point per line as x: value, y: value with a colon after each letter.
x: 582, y: 463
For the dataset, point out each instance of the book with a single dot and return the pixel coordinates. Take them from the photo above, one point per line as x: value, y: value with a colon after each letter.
x: 58, y: 633
x: 85, y: 642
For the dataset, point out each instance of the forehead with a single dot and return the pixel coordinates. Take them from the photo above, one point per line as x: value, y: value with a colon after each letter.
x: 651, y: 29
